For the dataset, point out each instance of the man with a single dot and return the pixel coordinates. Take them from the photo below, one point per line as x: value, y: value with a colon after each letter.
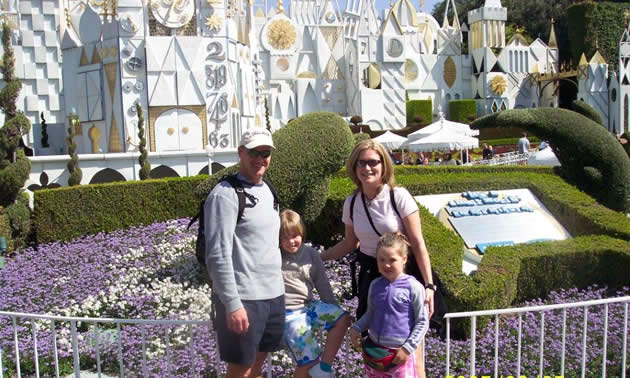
x: 244, y: 262
x: 487, y: 152
x: 523, y: 144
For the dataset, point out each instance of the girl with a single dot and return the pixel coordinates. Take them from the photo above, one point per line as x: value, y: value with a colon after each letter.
x: 396, y: 318
x: 303, y: 270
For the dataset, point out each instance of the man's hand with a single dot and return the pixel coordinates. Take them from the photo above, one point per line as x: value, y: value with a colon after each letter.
x: 401, y: 356
x: 355, y: 337
x: 237, y: 321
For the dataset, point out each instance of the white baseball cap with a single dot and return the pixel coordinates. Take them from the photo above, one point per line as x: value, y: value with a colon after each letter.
x: 255, y: 138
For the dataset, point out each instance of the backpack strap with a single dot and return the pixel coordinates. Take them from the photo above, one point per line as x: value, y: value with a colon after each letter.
x: 276, y: 201
x: 354, y: 198
x: 240, y: 193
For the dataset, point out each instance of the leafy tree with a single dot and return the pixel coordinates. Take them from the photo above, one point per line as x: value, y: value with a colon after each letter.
x: 14, y: 165
x: 145, y: 165
x: 73, y: 164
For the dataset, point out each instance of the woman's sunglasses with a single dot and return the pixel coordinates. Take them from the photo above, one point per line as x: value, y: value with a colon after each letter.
x: 255, y: 153
x: 372, y: 163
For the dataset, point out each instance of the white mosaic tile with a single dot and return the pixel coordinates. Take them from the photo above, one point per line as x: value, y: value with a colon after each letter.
x: 50, y: 38
x: 32, y: 103
x: 25, y: 7
x: 53, y: 103
x: 49, y: 7
x: 27, y: 38
x: 52, y: 71
x: 42, y: 87
x: 30, y: 71
x: 40, y: 54
x: 38, y: 22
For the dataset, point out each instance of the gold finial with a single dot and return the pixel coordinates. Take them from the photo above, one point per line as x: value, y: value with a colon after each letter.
x: 68, y: 18
x: 553, y: 20
x: 596, y: 42
x: 279, y: 8
x: 627, y: 13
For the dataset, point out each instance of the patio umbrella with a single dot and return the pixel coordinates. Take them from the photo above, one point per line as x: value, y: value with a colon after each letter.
x: 390, y: 140
x: 443, y: 123
x: 442, y: 140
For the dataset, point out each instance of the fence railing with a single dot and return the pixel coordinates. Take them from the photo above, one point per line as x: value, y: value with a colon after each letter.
x: 541, y: 310
x: 508, y: 158
x: 54, y: 324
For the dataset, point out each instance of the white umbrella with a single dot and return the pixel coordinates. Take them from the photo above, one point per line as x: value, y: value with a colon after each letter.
x: 443, y: 123
x: 442, y: 140
x: 390, y: 140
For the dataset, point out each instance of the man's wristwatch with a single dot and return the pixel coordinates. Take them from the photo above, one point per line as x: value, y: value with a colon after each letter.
x: 431, y: 286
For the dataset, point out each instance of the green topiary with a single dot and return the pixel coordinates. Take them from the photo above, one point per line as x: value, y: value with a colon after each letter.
x: 145, y: 165
x: 462, y: 110
x: 587, y: 111
x: 14, y: 166
x: 419, y: 108
x: 360, y: 136
x: 73, y: 164
x: 591, y: 158
x: 300, y: 174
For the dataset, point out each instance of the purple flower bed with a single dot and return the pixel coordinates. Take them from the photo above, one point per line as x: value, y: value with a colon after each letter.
x: 151, y: 273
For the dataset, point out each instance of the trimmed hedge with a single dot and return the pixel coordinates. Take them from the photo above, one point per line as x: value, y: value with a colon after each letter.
x: 462, y: 110
x: 308, y: 151
x: 419, y: 108
x: 65, y: 213
x: 508, y: 274
x: 590, y: 156
x: 587, y: 111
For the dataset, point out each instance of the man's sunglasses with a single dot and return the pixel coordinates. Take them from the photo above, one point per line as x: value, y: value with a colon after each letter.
x: 255, y: 153
x: 372, y: 163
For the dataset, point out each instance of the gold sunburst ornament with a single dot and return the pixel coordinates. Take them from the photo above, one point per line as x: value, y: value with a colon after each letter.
x: 281, y: 34
x: 214, y: 22
x: 498, y: 84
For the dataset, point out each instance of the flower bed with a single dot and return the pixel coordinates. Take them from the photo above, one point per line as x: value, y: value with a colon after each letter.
x: 151, y: 273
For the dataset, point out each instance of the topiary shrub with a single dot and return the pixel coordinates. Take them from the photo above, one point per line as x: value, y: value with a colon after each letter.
x: 145, y: 165
x: 44, y: 132
x: 462, y: 110
x: 591, y: 158
x: 299, y: 174
x: 587, y: 111
x: 73, y: 164
x: 359, y: 137
x: 419, y: 108
x: 14, y: 166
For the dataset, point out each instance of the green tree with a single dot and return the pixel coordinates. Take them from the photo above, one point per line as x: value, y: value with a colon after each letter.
x: 145, y: 165
x: 73, y: 164
x: 14, y: 165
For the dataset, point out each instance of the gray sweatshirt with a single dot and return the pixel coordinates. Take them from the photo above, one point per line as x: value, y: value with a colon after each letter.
x: 303, y: 271
x: 243, y: 259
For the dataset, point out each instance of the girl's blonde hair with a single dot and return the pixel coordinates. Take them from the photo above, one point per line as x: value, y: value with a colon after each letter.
x: 291, y: 222
x: 386, y: 161
x: 395, y: 240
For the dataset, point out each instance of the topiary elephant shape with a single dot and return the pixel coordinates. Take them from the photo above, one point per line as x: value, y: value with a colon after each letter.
x: 591, y: 157
x: 308, y: 151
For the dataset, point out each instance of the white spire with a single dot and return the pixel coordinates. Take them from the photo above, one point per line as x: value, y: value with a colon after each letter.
x: 492, y: 4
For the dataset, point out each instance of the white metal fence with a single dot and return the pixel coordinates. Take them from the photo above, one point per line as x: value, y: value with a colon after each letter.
x: 54, y: 323
x: 541, y: 310
x: 508, y: 158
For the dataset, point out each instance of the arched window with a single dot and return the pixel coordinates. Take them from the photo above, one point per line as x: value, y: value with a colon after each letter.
x: 107, y: 175
x: 163, y: 171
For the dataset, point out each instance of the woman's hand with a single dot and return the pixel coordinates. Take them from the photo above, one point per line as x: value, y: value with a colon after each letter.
x: 428, y: 300
x: 355, y: 337
x: 348, y: 244
x: 401, y: 356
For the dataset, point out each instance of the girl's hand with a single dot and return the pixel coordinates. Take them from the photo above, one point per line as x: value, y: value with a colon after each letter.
x: 401, y: 356
x: 355, y: 337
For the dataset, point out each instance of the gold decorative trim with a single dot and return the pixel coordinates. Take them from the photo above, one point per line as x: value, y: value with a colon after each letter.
x: 95, y: 135
x: 281, y: 34
x: 450, y: 72
x: 498, y: 84
x: 96, y: 58
x: 115, y: 143
x: 411, y: 71
x: 155, y: 111
x: 84, y: 60
x: 111, y: 71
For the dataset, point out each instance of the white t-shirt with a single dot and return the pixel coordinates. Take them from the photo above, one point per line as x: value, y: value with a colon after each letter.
x: 383, y: 215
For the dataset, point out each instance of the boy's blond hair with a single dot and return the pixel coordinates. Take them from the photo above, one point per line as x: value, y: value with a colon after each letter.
x: 291, y: 222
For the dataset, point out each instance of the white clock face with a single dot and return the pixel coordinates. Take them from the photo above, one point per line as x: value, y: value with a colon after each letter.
x: 173, y: 13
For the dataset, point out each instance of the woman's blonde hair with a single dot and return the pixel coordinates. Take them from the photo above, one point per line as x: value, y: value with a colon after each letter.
x: 395, y: 240
x: 291, y: 222
x: 386, y: 161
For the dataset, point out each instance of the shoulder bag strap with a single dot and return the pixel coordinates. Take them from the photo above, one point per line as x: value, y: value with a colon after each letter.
x: 367, y: 211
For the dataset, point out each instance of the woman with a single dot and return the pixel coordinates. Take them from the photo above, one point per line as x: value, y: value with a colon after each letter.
x: 372, y: 211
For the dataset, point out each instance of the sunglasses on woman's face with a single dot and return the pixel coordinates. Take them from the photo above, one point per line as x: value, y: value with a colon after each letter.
x: 372, y: 163
x: 255, y: 153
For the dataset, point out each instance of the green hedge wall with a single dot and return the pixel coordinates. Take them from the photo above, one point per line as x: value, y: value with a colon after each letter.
x: 462, y: 110
x: 419, y: 108
x: 590, y: 23
x: 68, y: 212
x: 597, y: 254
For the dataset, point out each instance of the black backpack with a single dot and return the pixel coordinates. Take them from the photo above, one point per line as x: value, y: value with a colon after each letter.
x: 200, y: 246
